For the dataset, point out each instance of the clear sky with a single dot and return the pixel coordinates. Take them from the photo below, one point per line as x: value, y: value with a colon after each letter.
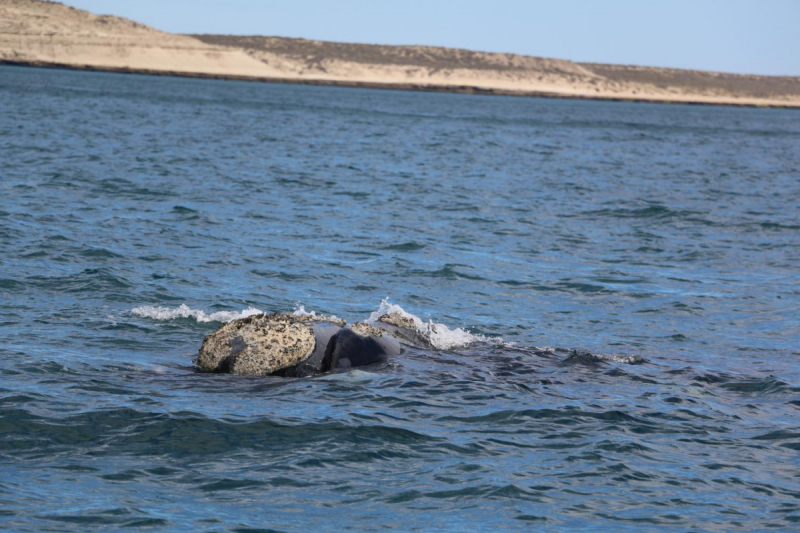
x: 748, y: 36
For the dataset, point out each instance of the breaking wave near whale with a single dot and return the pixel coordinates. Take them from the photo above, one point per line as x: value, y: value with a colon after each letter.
x: 439, y: 335
x: 428, y: 334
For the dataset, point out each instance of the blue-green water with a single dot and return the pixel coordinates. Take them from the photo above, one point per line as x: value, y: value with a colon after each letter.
x: 669, y: 232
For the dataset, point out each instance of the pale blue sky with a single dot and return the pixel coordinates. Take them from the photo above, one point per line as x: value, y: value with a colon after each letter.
x: 750, y: 36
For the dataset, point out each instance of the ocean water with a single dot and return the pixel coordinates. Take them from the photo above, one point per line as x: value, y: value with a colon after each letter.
x: 613, y: 290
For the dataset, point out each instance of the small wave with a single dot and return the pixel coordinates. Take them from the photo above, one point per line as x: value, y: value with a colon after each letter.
x: 95, y: 280
x: 581, y: 357
x: 652, y: 212
x: 439, y: 335
x: 184, y: 311
x: 628, y: 359
x: 300, y: 310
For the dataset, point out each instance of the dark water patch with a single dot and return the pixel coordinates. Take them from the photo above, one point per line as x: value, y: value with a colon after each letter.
x: 776, y: 226
x: 113, y: 517
x: 655, y: 212
x: 11, y: 285
x: 768, y: 385
x: 44, y: 367
x: 123, y: 188
x: 57, y: 238
x: 712, y: 378
x: 182, y: 210
x: 284, y: 276
x: 34, y: 255
x: 100, y: 253
x: 128, y: 475
x: 779, y: 435
x: 360, y: 253
x: 127, y: 431
x: 256, y: 530
x: 584, y: 288
x: 238, y: 485
x: 685, y: 415
x: 566, y: 416
x: 103, y: 387
x: 152, y: 258
x: 530, y: 518
x: 21, y: 399
x: 623, y: 447
x: 76, y: 468
x: 353, y: 194
x: 90, y: 280
x: 447, y: 272
x: 410, y: 246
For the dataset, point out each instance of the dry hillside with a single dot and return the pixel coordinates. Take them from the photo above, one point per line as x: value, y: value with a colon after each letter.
x: 49, y: 33
x: 36, y: 32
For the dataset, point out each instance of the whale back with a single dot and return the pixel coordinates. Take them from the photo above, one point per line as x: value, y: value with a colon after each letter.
x: 349, y: 349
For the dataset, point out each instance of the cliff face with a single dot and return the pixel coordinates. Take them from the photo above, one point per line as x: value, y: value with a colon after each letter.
x: 50, y: 34
x: 38, y: 32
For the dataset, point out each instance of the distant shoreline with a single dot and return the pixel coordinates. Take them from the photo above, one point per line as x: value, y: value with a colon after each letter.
x: 36, y: 33
x: 433, y: 88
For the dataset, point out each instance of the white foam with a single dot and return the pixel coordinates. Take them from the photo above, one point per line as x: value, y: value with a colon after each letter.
x: 184, y: 311
x: 300, y: 310
x: 633, y: 359
x: 444, y: 338
x: 387, y: 307
x: 351, y: 375
x: 439, y: 335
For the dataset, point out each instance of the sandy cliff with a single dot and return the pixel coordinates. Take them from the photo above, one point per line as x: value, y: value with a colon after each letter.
x: 50, y: 34
x: 40, y: 32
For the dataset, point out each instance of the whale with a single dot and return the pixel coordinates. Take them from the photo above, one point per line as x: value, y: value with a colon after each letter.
x: 287, y: 345
x: 301, y: 346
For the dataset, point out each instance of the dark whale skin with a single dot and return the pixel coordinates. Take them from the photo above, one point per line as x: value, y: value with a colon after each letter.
x: 340, y: 349
x: 348, y: 349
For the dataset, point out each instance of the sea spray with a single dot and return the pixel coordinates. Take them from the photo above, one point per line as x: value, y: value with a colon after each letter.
x: 439, y: 335
x: 184, y: 311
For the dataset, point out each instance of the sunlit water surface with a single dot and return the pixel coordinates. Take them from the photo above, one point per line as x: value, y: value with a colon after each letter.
x: 667, y: 232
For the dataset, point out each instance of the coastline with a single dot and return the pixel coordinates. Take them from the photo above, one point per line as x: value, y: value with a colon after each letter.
x: 421, y: 87
x: 36, y: 33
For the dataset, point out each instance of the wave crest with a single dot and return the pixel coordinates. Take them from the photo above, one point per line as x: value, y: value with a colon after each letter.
x: 438, y: 335
x: 184, y: 311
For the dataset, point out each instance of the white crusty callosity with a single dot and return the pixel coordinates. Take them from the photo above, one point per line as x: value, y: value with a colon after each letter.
x: 396, y: 319
x: 257, y: 345
x: 366, y: 330
x: 261, y: 344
